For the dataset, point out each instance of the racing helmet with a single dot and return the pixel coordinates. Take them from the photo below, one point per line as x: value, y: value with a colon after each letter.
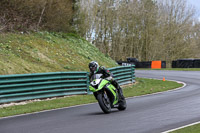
x: 93, y: 66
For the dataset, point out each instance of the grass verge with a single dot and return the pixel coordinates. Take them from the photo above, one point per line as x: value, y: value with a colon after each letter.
x: 190, y: 129
x: 141, y: 87
x: 148, y: 86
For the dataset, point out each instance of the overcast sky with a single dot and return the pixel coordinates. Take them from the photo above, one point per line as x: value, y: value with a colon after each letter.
x: 196, y: 4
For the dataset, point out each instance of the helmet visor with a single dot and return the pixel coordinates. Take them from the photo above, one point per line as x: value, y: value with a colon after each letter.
x: 93, y: 68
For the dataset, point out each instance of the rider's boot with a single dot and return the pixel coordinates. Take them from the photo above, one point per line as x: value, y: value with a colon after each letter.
x: 121, y: 93
x: 119, y: 89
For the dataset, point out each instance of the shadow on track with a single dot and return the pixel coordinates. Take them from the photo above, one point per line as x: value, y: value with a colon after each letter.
x: 102, y: 113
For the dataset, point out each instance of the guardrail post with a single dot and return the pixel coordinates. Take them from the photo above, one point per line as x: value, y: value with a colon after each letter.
x: 88, y: 82
x: 132, y: 73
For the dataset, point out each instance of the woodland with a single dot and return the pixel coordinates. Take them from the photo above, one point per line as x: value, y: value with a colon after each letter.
x: 145, y: 29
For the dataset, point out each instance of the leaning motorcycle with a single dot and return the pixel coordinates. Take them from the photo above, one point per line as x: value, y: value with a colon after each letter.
x: 106, y: 94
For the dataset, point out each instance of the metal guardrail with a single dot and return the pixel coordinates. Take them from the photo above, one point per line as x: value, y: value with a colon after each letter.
x: 21, y: 87
x: 124, y: 74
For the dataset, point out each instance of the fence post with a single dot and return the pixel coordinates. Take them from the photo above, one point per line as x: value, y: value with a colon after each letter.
x: 88, y: 82
x: 132, y: 73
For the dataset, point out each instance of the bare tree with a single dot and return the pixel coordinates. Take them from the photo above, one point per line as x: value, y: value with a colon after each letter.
x: 34, y: 15
x: 145, y: 29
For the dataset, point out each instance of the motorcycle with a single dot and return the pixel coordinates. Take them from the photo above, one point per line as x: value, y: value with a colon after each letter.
x: 106, y: 94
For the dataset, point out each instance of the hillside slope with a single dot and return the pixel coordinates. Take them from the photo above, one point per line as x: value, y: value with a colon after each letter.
x: 47, y: 52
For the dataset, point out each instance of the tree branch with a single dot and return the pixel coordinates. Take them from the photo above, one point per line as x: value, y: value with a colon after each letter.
x: 40, y: 19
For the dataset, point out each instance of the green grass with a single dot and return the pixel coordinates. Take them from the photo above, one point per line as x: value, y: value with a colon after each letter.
x: 47, y: 52
x: 149, y: 86
x: 141, y: 87
x: 190, y: 129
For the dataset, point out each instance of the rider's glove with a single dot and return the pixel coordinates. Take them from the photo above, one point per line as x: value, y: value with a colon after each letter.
x: 109, y: 78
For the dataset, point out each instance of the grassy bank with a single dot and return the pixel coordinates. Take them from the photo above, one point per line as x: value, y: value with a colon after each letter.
x: 141, y: 87
x: 47, y: 52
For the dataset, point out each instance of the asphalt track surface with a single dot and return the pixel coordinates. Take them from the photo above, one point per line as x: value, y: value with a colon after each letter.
x: 146, y: 114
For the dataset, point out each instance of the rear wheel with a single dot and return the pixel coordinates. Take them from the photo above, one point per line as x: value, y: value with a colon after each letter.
x: 104, y: 102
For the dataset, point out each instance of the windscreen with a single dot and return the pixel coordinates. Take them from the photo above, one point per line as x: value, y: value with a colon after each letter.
x: 96, y: 76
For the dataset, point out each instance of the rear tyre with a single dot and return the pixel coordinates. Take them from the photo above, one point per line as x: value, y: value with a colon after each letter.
x: 104, y: 102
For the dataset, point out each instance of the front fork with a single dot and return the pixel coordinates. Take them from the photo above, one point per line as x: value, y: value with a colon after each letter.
x: 112, y: 92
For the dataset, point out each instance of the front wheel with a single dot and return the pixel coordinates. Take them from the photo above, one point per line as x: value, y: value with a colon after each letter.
x: 122, y: 105
x: 104, y: 102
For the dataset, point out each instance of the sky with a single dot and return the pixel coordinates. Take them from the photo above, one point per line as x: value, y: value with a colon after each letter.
x: 196, y: 4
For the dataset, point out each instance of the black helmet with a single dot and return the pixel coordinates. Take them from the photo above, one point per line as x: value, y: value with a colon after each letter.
x: 93, y: 66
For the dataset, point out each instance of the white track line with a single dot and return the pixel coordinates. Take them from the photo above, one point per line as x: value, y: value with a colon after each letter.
x: 184, y: 85
x: 181, y: 127
x: 171, y: 130
x: 45, y: 111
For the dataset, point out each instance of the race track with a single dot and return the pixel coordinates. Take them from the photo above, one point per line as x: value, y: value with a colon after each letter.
x: 146, y: 114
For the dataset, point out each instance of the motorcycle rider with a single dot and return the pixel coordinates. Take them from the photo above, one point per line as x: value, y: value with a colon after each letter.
x: 96, y: 69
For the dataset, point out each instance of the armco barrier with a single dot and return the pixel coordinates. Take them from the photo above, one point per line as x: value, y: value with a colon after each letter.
x: 42, y: 85
x: 21, y: 87
x: 124, y: 75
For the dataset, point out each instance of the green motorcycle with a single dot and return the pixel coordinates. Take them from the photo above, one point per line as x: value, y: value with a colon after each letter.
x: 106, y: 94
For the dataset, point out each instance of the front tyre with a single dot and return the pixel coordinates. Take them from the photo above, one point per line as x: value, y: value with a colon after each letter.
x: 122, y: 105
x: 104, y: 102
